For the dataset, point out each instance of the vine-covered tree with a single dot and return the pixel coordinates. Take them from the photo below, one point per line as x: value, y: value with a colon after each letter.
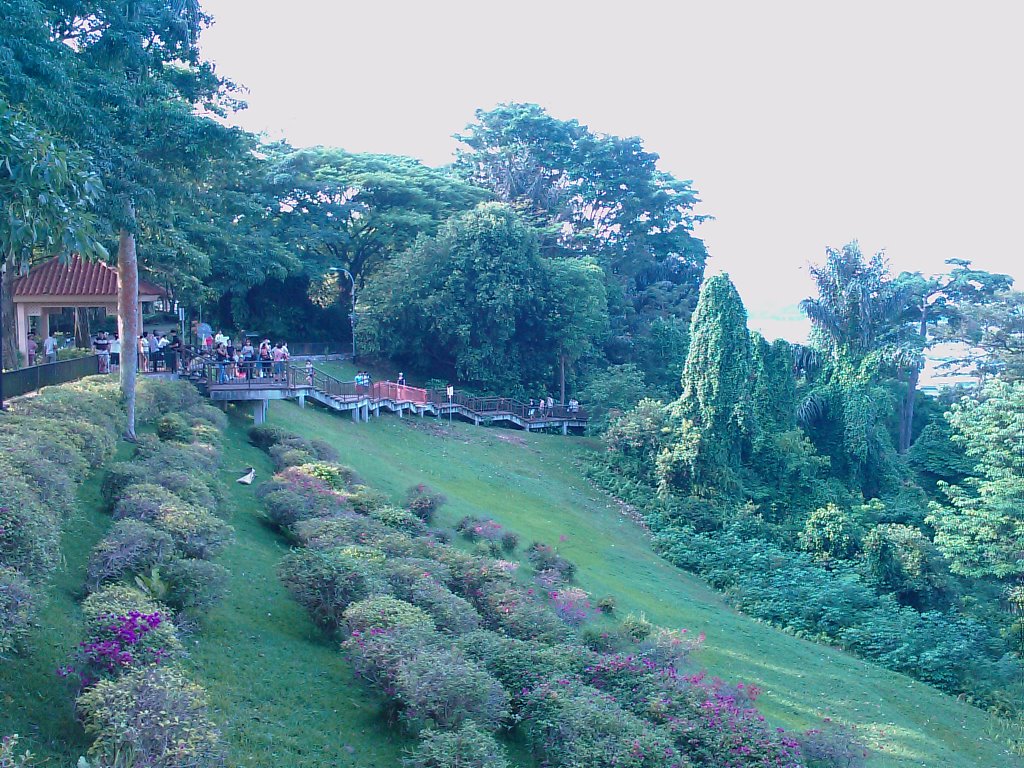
x: 712, y: 415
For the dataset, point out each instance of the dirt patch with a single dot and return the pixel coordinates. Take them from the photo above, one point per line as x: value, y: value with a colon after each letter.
x: 512, y: 439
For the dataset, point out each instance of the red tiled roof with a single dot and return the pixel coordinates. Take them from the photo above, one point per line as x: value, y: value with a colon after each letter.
x: 76, y: 278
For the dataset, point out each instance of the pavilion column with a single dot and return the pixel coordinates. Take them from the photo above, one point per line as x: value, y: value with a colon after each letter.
x: 21, y: 329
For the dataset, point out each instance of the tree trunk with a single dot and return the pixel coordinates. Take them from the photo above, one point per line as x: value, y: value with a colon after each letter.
x: 909, y: 401
x: 10, y: 343
x: 128, y: 320
x: 82, y: 332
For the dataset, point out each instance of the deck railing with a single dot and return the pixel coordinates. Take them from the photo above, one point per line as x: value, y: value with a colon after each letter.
x: 35, y: 377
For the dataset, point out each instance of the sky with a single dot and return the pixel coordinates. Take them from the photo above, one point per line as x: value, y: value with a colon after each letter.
x: 801, y: 125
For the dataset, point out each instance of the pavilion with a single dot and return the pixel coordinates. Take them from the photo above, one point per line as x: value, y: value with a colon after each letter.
x: 50, y: 287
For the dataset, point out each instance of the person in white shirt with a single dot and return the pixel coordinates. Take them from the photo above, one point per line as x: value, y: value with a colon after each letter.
x: 50, y: 347
x: 115, y: 352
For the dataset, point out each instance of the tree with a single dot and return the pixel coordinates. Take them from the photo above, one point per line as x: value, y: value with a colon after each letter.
x: 594, y: 195
x: 712, y: 415
x: 466, y: 304
x: 933, y: 300
x: 981, y: 527
x: 145, y: 106
x: 356, y: 211
x: 49, y: 192
x: 857, y: 309
x: 576, y: 315
x: 990, y: 334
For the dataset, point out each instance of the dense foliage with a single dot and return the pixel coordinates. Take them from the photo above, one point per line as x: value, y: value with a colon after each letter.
x: 777, y: 476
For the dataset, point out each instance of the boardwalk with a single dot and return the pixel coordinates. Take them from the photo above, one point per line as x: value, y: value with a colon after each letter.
x: 363, y: 401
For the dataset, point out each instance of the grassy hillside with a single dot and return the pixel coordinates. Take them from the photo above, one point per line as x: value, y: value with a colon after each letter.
x: 531, y: 484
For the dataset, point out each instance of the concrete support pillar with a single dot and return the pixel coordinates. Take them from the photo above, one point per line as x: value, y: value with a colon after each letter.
x: 476, y: 421
x: 21, y: 326
x: 401, y: 411
x: 302, y: 400
x: 376, y: 411
x: 421, y: 411
x: 365, y: 412
x: 355, y: 414
x: 260, y: 409
x: 565, y: 428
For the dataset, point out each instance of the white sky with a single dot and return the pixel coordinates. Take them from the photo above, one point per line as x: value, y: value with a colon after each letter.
x: 801, y: 124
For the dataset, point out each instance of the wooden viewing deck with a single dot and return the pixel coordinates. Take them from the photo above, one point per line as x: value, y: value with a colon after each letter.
x: 221, y: 383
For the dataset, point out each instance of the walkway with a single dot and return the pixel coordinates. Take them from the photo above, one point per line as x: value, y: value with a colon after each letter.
x: 362, y: 401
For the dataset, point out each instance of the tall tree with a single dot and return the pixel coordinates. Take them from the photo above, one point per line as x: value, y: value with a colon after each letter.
x: 595, y: 195
x: 356, y: 211
x: 49, y: 192
x: 146, y: 107
x: 981, y: 527
x: 933, y: 300
x: 713, y: 413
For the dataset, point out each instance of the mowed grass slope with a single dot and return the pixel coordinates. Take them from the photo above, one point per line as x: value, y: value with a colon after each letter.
x: 531, y: 484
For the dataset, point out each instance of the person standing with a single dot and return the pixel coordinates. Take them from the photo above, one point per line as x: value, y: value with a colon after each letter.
x: 171, y: 354
x: 309, y: 373
x: 50, y: 347
x: 32, y: 349
x: 115, y: 352
x: 154, y: 351
x: 102, y: 346
x: 248, y: 357
x: 401, y: 379
x: 144, y: 353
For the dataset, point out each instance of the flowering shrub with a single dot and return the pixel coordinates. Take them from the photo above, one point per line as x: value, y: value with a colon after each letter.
x: 173, y: 427
x: 124, y: 630
x: 571, y: 724
x: 336, y: 476
x: 450, y: 612
x: 338, y: 531
x: 517, y: 612
x: 383, y: 612
x: 543, y: 558
x: 326, y: 582
x: 17, y: 609
x: 468, y: 746
x: 9, y: 758
x: 834, y: 745
x: 440, y: 687
x: 193, y: 585
x: 475, y: 529
x: 150, y: 717
x: 571, y: 604
x: 521, y: 665
x: 423, y: 501
x: 29, y: 532
x: 393, y: 517
x: 130, y: 547
x: 364, y: 500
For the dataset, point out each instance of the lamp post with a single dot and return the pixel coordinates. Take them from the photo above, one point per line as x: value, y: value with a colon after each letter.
x: 352, y: 314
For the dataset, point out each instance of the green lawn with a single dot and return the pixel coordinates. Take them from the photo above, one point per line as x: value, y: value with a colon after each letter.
x: 281, y: 692
x: 531, y: 484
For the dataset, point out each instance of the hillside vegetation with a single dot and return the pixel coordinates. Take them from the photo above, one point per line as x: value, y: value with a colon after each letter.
x: 532, y: 484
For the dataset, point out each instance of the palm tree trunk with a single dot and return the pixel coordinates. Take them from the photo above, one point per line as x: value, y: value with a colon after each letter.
x: 907, y: 412
x: 128, y: 319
